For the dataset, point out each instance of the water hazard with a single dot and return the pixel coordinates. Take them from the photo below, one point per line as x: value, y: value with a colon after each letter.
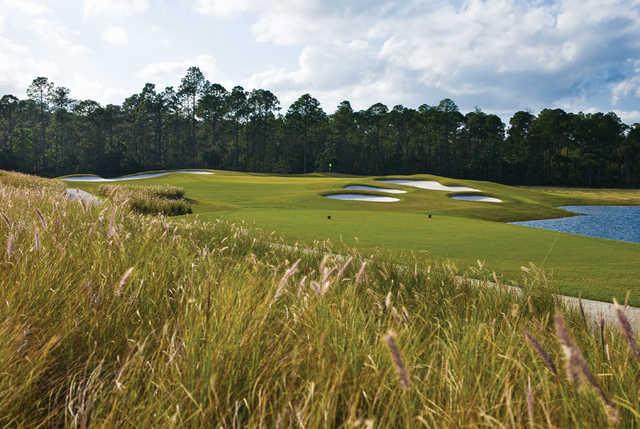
x: 612, y: 222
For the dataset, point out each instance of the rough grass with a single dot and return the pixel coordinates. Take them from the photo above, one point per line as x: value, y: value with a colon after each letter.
x: 111, y: 318
x: 593, y: 196
x: 10, y: 178
x: 151, y: 199
x: 460, y: 231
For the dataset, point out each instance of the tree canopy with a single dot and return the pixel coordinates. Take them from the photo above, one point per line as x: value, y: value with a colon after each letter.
x: 202, y: 124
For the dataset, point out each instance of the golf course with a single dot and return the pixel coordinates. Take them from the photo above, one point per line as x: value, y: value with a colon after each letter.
x: 467, y: 233
x: 305, y: 214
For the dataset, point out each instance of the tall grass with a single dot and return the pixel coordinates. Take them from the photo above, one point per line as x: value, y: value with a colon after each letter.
x: 118, y: 319
x: 149, y: 199
x: 11, y: 178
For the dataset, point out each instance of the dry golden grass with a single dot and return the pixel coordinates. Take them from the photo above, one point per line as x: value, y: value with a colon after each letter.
x: 114, y: 319
x: 150, y: 199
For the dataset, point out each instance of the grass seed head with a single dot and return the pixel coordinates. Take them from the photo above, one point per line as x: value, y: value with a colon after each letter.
x: 531, y: 402
x: 10, y: 243
x: 123, y: 281
x: 578, y: 369
x: 342, y: 269
x: 285, y: 279
x: 544, y: 356
x: 571, y: 352
x: 361, y: 273
x: 6, y: 219
x: 36, y: 238
x: 43, y: 222
x: 403, y: 375
x: 111, y: 230
x: 625, y: 324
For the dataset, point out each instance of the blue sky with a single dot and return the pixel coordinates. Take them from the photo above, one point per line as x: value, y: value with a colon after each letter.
x: 499, y: 55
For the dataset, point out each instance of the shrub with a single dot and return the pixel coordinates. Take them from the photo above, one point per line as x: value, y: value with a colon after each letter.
x: 154, y: 199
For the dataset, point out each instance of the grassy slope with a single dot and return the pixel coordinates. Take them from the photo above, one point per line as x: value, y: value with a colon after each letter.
x: 595, y: 196
x: 461, y: 231
x: 208, y: 330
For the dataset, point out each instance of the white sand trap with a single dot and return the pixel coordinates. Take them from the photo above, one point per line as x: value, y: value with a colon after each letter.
x: 478, y: 198
x: 362, y: 197
x: 431, y: 185
x: 374, y: 188
x: 94, y: 178
x: 80, y: 195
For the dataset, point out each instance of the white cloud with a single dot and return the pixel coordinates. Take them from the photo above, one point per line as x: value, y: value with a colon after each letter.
x: 482, y: 42
x: 170, y: 72
x: 624, y: 88
x: 501, y: 55
x: 58, y: 36
x: 27, y: 7
x: 630, y: 86
x: 115, y: 35
x: 629, y: 116
x: 223, y: 8
x: 83, y: 87
x: 498, y: 54
x: 18, y: 66
x: 35, y: 41
x: 332, y: 74
x: 114, y: 7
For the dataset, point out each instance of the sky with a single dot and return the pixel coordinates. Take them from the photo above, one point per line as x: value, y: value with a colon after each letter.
x: 498, y: 55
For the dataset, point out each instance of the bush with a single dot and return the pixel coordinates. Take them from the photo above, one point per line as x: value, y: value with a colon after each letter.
x: 165, y: 191
x: 154, y: 199
x: 153, y: 205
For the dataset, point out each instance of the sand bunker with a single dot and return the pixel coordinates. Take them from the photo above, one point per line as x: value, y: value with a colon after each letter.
x: 94, y: 178
x: 431, y: 185
x: 362, y: 197
x: 374, y: 188
x: 478, y: 198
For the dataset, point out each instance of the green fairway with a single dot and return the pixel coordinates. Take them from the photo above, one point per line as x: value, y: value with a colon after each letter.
x: 461, y: 231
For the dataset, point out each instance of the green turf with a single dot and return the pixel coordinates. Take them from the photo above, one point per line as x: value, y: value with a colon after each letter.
x: 461, y: 231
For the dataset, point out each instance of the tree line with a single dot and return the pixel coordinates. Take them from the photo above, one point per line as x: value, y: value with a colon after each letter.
x: 200, y: 124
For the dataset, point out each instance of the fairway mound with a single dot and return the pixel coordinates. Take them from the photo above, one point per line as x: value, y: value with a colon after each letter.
x: 139, y: 176
x: 476, y: 198
x: 374, y: 189
x: 430, y: 185
x: 362, y: 197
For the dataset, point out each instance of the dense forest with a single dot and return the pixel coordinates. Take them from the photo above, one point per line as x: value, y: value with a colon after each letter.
x: 203, y: 125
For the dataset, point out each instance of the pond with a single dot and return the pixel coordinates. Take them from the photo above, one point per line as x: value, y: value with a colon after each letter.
x: 612, y: 222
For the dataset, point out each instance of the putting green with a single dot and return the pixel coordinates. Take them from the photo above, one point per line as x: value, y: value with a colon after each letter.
x: 461, y: 231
